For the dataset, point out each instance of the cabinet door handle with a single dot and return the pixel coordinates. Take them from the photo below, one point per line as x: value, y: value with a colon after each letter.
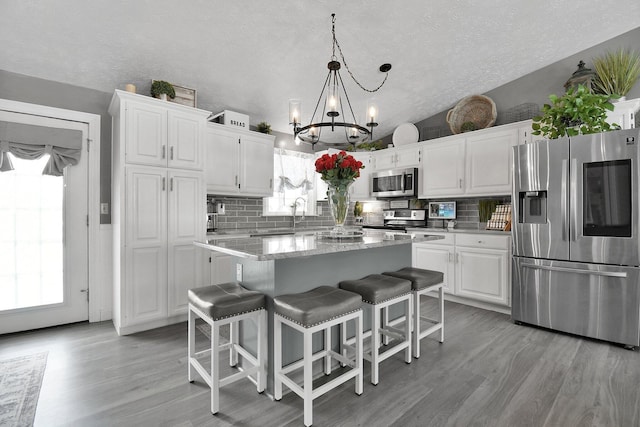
x: 171, y: 153
x: 236, y: 182
x: 271, y: 183
x: 164, y: 183
x: 171, y: 184
x: 457, y: 257
x: 164, y: 151
x: 450, y: 256
x: 460, y: 183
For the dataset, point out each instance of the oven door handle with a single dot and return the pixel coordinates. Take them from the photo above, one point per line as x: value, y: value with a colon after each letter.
x: 621, y: 274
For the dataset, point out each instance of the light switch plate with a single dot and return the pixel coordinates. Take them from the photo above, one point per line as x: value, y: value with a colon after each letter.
x: 104, y: 208
x: 239, y: 272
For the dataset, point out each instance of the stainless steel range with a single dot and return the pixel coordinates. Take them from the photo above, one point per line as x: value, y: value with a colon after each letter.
x: 401, y: 219
x: 576, y: 239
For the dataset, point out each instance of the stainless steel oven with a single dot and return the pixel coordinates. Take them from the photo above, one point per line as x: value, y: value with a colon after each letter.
x: 576, y: 235
x: 395, y: 183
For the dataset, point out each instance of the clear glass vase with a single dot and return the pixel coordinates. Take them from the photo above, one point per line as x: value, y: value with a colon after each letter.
x: 339, y: 206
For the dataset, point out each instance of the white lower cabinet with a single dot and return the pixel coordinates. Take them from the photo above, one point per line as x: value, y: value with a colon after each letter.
x: 476, y: 266
x: 163, y: 216
x: 220, y: 268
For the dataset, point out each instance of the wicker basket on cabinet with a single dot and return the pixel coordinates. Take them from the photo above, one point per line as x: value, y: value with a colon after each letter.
x: 479, y: 110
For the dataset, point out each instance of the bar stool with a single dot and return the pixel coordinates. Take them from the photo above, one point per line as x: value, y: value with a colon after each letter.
x: 218, y: 305
x: 309, y: 312
x: 380, y: 292
x: 422, y: 282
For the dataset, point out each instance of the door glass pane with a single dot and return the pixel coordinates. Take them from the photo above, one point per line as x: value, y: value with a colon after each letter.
x: 607, y: 199
x: 30, y: 236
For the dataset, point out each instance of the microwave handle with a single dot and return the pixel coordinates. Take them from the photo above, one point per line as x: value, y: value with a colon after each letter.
x: 404, y: 178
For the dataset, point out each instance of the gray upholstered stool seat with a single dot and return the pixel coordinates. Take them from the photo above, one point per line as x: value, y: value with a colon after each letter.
x: 423, y: 281
x: 317, y: 310
x: 377, y: 288
x: 226, y: 299
x: 227, y: 304
x: 419, y: 277
x: 379, y: 292
x: 317, y: 305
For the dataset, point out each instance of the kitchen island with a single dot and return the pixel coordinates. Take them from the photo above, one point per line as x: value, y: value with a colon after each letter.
x: 285, y: 264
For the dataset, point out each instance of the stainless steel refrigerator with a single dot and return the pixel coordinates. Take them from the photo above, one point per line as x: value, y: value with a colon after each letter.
x: 576, y: 249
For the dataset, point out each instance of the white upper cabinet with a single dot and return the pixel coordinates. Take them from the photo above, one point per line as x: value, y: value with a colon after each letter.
x: 396, y: 157
x: 443, y: 168
x: 159, y: 133
x: 488, y: 164
x: 238, y: 162
x: 361, y: 187
x: 475, y: 163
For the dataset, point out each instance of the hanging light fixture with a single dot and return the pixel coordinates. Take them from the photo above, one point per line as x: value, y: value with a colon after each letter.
x: 336, y: 106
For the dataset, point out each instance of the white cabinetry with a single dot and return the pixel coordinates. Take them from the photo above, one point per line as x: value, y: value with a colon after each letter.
x: 396, y: 157
x: 158, y: 210
x: 238, y: 162
x: 443, y: 168
x: 475, y: 266
x: 471, y: 164
x: 624, y: 113
x: 158, y: 136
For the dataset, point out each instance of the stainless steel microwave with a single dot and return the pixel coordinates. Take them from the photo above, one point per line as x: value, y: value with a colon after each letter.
x: 395, y: 183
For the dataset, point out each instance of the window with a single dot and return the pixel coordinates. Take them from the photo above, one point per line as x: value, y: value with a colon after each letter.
x: 294, y: 181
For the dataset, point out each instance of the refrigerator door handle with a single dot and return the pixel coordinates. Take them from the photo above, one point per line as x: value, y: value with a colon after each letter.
x: 573, y: 226
x: 573, y: 270
x: 563, y: 202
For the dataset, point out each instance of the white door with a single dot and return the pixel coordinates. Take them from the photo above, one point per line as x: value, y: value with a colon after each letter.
x: 443, y: 168
x: 146, y: 134
x: 489, y: 162
x: 184, y: 140
x: 256, y: 158
x: 222, y: 157
x: 483, y: 274
x: 436, y: 258
x: 43, y: 239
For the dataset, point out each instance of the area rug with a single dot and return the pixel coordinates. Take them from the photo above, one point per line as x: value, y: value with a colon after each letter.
x: 20, y: 381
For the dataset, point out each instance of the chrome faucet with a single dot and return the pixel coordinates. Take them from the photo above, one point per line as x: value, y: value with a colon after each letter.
x: 294, y: 206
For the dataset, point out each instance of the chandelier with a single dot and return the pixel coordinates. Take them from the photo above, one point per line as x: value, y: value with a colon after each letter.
x: 334, y: 113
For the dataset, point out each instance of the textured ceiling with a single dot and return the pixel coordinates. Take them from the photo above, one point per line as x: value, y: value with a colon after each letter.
x: 253, y: 56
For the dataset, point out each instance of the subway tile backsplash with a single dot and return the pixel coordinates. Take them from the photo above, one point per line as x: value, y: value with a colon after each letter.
x: 246, y: 214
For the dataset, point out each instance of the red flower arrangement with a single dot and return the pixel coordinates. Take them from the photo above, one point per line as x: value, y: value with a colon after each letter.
x: 338, y: 170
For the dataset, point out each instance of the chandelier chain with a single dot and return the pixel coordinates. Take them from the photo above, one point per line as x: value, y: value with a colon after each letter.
x: 344, y: 61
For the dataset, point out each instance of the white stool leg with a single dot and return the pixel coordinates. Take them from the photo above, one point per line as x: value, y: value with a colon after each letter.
x: 343, y: 341
x: 359, y: 359
x: 327, y: 348
x: 215, y: 369
x: 375, y: 343
x: 407, y: 329
x: 261, y: 376
x: 385, y: 319
x: 277, y: 357
x: 191, y: 343
x: 308, y: 378
x: 441, y: 301
x: 234, y: 339
x: 416, y: 324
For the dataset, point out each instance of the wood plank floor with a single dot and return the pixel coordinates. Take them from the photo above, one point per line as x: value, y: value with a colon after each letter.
x: 489, y: 372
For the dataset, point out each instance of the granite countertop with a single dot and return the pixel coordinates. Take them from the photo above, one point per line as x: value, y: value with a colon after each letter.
x: 303, y: 243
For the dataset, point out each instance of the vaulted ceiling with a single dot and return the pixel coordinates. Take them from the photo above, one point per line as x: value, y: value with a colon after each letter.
x: 252, y: 56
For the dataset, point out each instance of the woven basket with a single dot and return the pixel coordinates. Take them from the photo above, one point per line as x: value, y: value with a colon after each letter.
x: 477, y: 109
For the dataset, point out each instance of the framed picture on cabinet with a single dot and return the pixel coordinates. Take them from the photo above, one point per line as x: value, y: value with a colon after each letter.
x: 184, y: 96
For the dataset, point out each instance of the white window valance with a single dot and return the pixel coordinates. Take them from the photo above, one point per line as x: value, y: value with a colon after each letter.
x: 24, y: 141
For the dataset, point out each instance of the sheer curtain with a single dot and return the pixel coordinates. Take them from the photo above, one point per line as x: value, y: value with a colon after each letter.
x: 30, y: 142
x: 293, y: 177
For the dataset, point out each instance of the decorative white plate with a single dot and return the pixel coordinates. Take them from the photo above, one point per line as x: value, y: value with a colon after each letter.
x: 406, y: 133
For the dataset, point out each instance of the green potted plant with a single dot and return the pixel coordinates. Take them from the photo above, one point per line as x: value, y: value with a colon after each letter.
x: 161, y: 89
x: 578, y: 111
x: 616, y: 72
x: 264, y: 127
